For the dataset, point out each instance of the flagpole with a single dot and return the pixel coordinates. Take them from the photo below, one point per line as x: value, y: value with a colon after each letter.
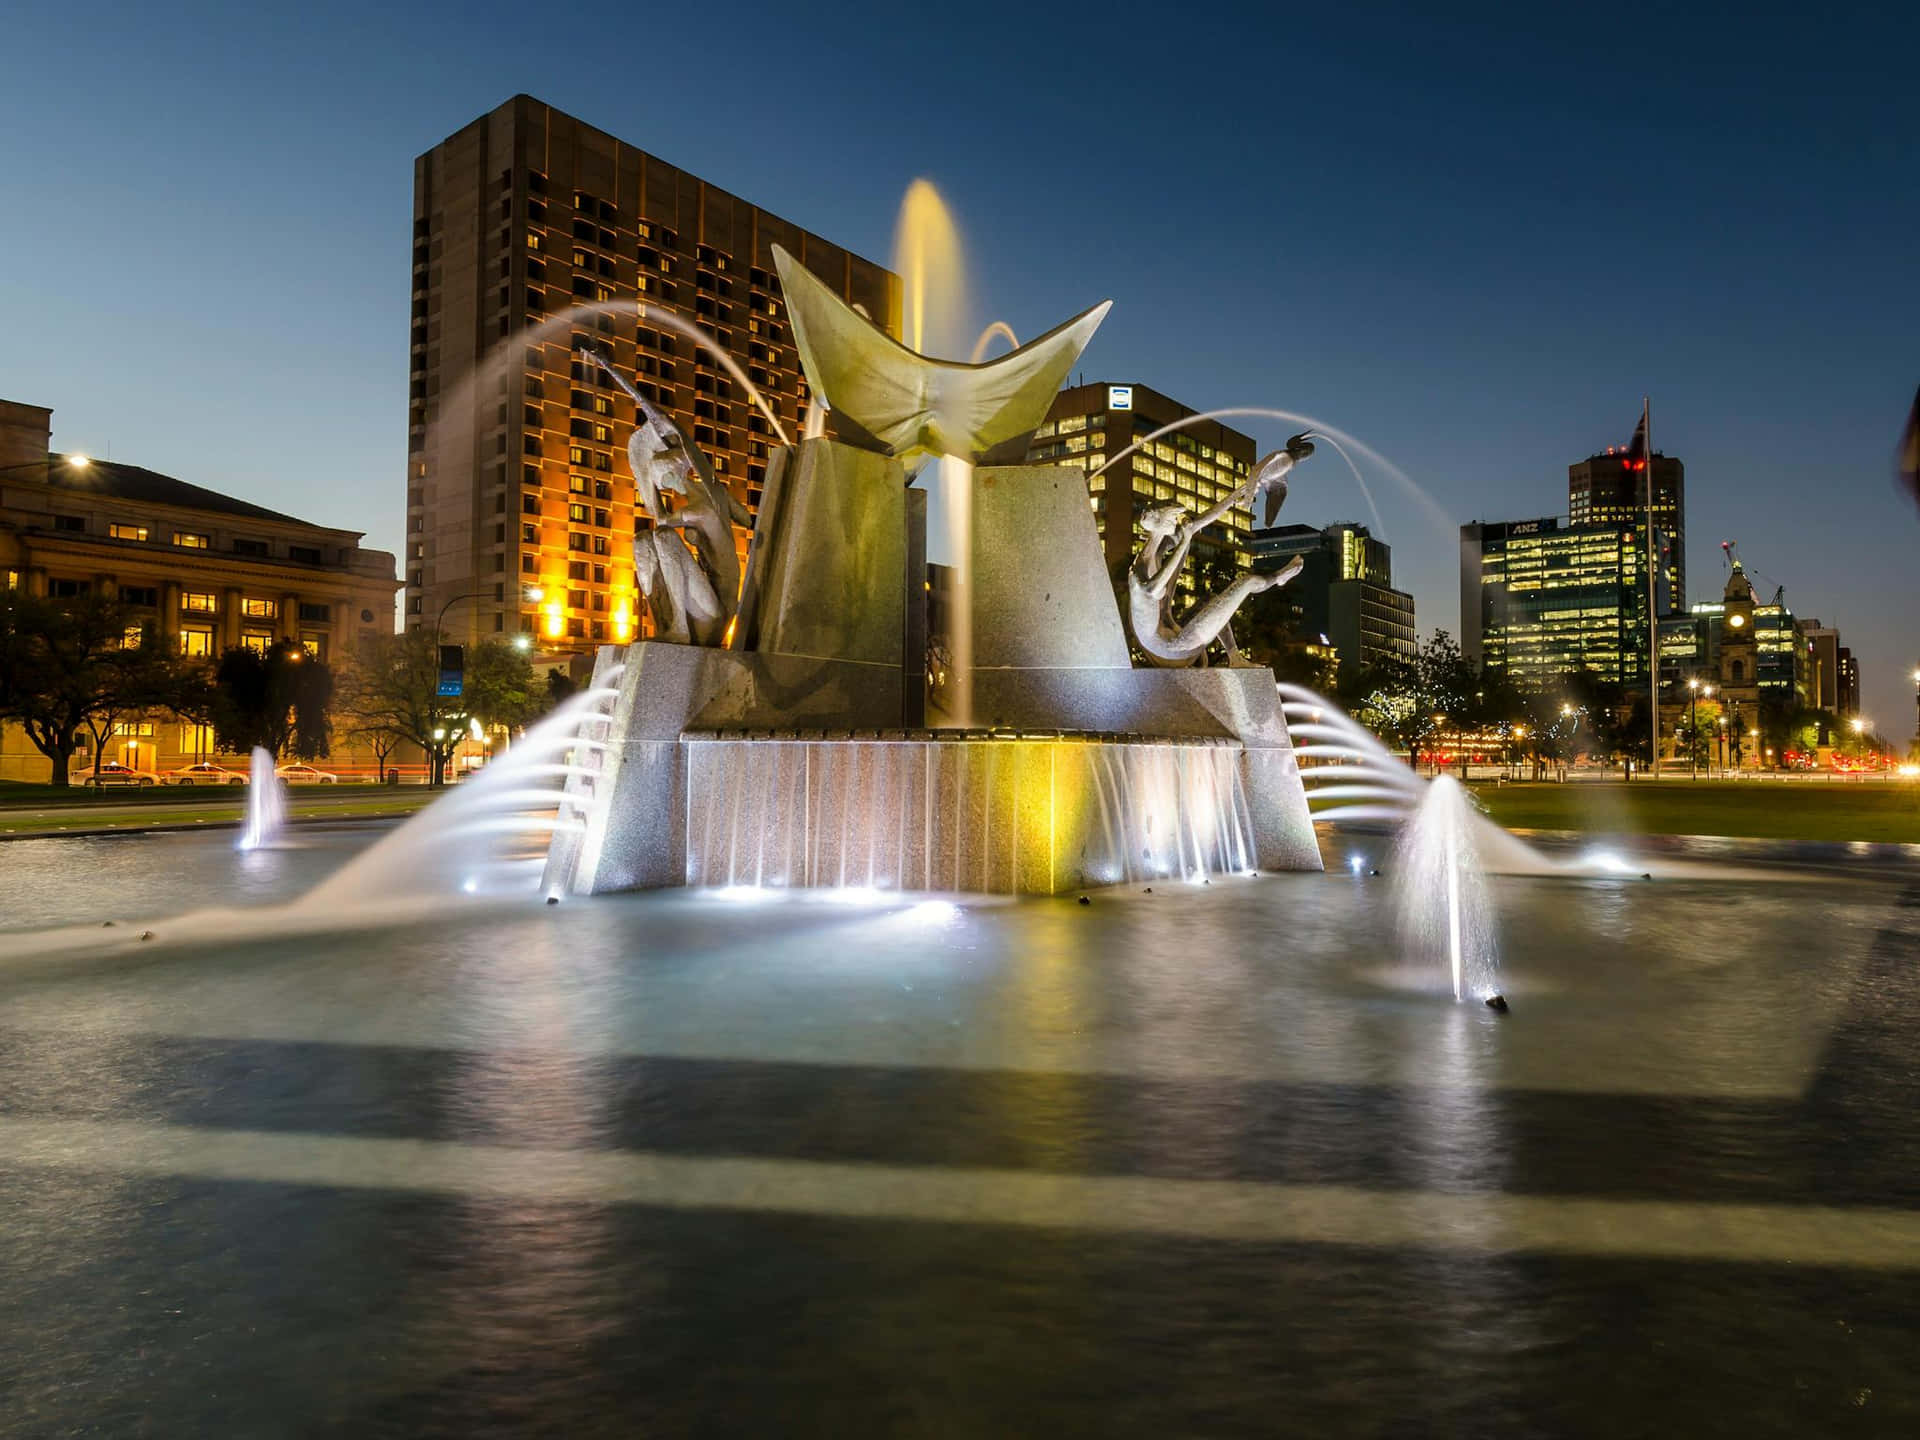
x: 1653, y: 614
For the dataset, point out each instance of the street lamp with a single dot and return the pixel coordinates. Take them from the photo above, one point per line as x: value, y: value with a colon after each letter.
x: 530, y: 592
x: 72, y: 462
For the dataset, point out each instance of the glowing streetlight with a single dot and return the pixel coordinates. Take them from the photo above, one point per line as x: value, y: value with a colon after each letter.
x: 523, y: 642
x: 1859, y: 725
x: 535, y: 594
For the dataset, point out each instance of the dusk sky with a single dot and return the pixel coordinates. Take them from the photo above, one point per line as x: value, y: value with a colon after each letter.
x: 1473, y: 241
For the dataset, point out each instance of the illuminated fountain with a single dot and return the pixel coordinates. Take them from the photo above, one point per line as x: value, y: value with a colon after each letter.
x: 266, y: 804
x: 807, y: 748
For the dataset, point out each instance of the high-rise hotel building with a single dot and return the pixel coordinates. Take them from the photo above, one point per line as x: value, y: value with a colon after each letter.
x: 520, y: 507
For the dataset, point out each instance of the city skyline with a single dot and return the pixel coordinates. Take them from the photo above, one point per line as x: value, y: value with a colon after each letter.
x: 1479, y: 285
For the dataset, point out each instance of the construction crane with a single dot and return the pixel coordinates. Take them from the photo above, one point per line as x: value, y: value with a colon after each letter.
x: 1730, y: 553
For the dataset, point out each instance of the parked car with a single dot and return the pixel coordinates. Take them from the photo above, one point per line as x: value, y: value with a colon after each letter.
x: 112, y: 772
x: 304, y: 775
x: 206, y: 773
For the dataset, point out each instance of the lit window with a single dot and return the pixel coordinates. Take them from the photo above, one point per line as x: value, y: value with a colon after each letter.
x: 199, y: 602
x: 196, y: 640
x: 258, y: 641
x: 260, y: 609
x: 127, y: 532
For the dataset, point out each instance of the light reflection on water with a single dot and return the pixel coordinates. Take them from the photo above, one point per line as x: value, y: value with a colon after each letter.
x: 1269, y: 1029
x: 137, y: 877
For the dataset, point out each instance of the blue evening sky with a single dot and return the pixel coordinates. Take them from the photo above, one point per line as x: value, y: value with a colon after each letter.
x: 1472, y: 237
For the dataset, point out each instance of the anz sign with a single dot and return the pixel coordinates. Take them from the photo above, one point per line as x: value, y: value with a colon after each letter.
x: 1119, y: 397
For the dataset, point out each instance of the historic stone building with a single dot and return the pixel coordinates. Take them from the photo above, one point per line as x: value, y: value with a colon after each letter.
x: 204, y: 571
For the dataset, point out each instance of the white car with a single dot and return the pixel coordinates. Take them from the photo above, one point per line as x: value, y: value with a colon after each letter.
x: 206, y: 773
x: 304, y: 775
x: 112, y: 772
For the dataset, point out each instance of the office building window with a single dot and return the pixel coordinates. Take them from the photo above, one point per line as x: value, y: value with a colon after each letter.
x: 199, y: 602
x: 126, y: 532
x: 258, y: 641
x: 260, y: 609
x: 196, y: 640
x: 250, y: 547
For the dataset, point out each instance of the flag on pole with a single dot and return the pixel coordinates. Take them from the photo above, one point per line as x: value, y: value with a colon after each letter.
x: 1906, y: 463
x: 1637, y: 450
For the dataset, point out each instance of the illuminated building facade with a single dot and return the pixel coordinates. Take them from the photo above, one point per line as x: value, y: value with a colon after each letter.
x: 1611, y: 489
x: 1833, y: 678
x: 1741, y: 643
x: 202, y: 571
x: 1544, y: 598
x: 517, y: 477
x: 1344, y: 590
x: 1195, y: 467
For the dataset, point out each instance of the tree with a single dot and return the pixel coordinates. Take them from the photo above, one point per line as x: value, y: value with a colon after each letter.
x: 149, y: 676
x: 1699, y: 722
x: 1384, y: 697
x: 65, y: 666
x: 278, y: 700
x: 1618, y: 727
x: 561, y: 687
x: 1268, y: 630
x: 394, y: 695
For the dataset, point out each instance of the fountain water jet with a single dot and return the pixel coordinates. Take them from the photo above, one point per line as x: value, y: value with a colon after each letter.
x: 1440, y: 890
x: 927, y: 258
x: 1000, y: 328
x: 1315, y: 429
x: 266, y: 805
x: 490, y: 834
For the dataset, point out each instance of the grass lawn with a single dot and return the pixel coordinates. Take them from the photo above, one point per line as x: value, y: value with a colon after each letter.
x: 1759, y: 809
x: 45, y: 809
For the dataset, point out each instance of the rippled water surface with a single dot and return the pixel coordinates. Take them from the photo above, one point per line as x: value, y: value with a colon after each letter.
x: 1207, y: 1160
